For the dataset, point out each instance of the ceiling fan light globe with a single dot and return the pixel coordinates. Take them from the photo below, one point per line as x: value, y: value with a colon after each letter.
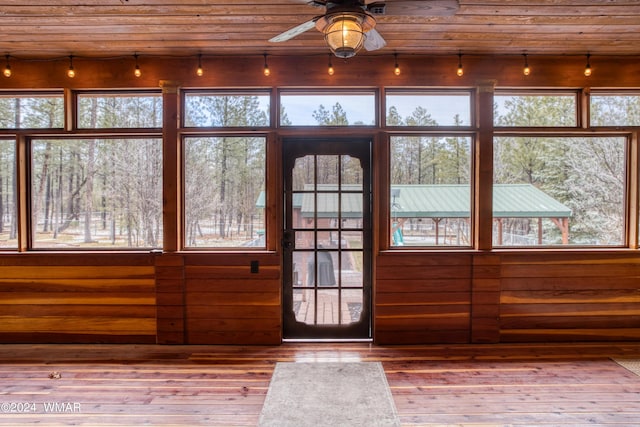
x: 344, y: 35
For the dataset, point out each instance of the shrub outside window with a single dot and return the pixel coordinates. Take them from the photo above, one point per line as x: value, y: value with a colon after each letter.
x: 551, y: 190
x: 96, y: 193
x: 224, y: 182
x: 430, y: 191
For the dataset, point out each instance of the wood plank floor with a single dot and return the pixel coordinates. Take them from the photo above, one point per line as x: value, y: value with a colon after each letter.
x: 465, y: 385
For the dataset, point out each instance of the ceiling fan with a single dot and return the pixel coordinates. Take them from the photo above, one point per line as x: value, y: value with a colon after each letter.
x: 349, y: 25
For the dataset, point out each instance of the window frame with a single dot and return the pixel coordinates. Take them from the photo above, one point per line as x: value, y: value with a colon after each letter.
x: 609, y: 92
x: 30, y: 232
x: 220, y: 134
x: 329, y: 91
x: 574, y: 133
x: 184, y: 93
x: 430, y: 92
x: 473, y: 138
x: 36, y: 94
x: 577, y: 95
x: 75, y: 109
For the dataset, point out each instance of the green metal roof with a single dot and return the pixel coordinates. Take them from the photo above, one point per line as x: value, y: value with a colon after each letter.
x: 526, y: 201
x: 453, y: 201
x: 432, y: 201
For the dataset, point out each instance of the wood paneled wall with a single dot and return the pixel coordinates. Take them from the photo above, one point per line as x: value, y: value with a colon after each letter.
x: 570, y: 297
x: 422, y: 299
x: 77, y: 298
x: 227, y: 304
x: 481, y: 296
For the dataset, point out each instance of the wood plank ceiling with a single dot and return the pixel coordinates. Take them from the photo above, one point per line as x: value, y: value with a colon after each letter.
x: 108, y: 28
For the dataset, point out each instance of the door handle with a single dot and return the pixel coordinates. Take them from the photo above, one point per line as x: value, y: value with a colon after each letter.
x: 287, y: 240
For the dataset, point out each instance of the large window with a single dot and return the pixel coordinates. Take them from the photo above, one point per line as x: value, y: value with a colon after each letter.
x: 32, y: 111
x: 96, y: 193
x: 430, y: 190
x: 327, y: 109
x: 224, y: 191
x: 553, y: 190
x: 8, y: 214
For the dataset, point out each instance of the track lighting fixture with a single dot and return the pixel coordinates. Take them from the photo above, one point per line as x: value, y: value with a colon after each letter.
x: 137, y: 72
x: 199, y: 70
x: 587, y: 68
x: 460, y: 71
x: 396, y: 70
x: 7, y: 68
x: 71, y: 72
x: 266, y: 70
x: 526, y: 70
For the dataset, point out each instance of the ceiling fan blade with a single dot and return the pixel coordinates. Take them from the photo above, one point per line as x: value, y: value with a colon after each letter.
x: 295, y: 31
x: 418, y: 7
x: 374, y: 40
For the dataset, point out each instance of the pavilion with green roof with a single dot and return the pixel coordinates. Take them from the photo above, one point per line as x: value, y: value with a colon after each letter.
x: 438, y: 202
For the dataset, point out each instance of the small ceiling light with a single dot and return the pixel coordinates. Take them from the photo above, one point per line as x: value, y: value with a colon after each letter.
x: 330, y: 70
x: 137, y: 72
x: 344, y: 30
x: 7, y: 68
x: 460, y: 71
x: 526, y: 70
x: 266, y: 70
x: 396, y: 70
x: 587, y: 68
x: 200, y: 70
x: 71, y: 72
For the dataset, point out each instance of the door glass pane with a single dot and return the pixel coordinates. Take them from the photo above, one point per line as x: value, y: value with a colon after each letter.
x: 351, y: 269
x: 351, y: 170
x: 305, y: 240
x: 352, y: 301
x: 327, y: 210
x: 304, y: 208
x: 328, y: 307
x: 351, y: 239
x: 304, y: 172
x: 351, y: 208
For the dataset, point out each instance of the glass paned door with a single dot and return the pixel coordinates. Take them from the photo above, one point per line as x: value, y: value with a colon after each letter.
x: 327, y: 239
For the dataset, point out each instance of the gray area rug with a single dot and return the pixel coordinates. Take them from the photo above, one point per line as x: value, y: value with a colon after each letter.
x: 329, y: 394
x: 632, y: 365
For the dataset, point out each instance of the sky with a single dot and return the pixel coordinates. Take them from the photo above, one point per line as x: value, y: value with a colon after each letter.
x: 361, y: 107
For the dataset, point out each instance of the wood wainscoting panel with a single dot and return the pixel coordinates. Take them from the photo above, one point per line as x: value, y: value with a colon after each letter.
x: 422, y: 298
x: 228, y: 304
x: 570, y: 297
x: 77, y: 298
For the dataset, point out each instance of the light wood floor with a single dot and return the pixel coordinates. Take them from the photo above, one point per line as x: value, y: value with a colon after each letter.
x: 464, y: 385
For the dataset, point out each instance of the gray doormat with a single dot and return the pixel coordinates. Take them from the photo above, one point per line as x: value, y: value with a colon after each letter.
x: 329, y: 394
